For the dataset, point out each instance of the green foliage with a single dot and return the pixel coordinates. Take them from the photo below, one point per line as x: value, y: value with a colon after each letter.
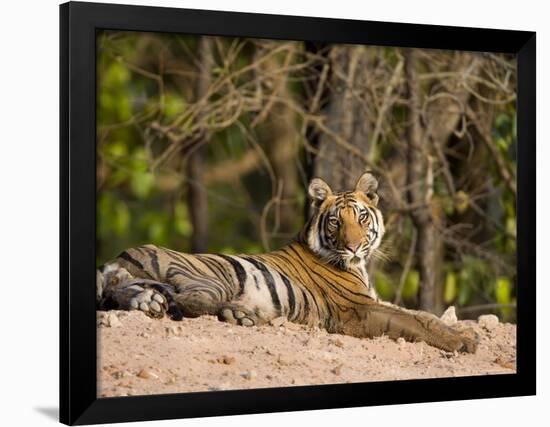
x: 451, y: 287
x: 411, y: 286
x: 384, y: 285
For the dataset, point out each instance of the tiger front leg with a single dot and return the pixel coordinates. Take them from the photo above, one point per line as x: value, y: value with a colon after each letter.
x: 379, y: 319
x: 239, y: 314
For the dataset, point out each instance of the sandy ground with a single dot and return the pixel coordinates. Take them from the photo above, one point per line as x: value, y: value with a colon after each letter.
x: 139, y: 355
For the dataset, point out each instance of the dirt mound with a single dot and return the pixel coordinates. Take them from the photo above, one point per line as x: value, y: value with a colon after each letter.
x: 138, y: 355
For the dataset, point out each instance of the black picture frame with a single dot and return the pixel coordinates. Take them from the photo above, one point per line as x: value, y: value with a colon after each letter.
x: 78, y: 25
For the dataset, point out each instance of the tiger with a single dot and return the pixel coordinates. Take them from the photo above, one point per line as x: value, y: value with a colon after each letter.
x: 319, y: 279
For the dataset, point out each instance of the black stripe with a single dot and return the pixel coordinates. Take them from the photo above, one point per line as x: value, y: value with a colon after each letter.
x: 306, y: 305
x: 184, y: 268
x: 216, y: 268
x: 239, y: 272
x: 127, y: 257
x: 187, y: 261
x: 291, y: 297
x: 175, y: 269
x: 269, y: 281
x: 154, y: 261
x: 323, y: 230
x: 328, y: 283
x: 299, y: 274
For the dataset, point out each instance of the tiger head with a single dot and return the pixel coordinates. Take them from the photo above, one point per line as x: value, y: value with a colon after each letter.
x: 346, y: 227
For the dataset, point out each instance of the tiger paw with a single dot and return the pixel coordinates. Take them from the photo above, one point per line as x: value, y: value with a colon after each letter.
x: 145, y: 299
x: 238, y: 316
x: 150, y: 302
x: 469, y: 340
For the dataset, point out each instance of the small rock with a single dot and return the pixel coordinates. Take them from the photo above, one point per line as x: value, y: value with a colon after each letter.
x: 126, y: 384
x: 227, y: 360
x: 101, y: 319
x: 401, y: 341
x: 508, y: 364
x: 337, y: 370
x: 326, y: 355
x: 294, y: 326
x: 488, y: 321
x: 219, y: 387
x: 171, y: 330
x: 278, y: 321
x: 337, y: 342
x: 119, y: 374
x: 147, y: 374
x: 249, y: 375
x: 113, y: 320
x: 285, y: 360
x: 172, y: 380
x: 449, y: 316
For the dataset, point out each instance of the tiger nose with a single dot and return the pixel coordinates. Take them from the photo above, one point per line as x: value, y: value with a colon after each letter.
x: 353, y: 247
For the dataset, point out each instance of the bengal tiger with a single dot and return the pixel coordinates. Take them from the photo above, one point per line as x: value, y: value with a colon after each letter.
x: 318, y: 279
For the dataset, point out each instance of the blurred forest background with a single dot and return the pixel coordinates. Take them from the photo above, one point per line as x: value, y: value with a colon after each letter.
x: 206, y: 144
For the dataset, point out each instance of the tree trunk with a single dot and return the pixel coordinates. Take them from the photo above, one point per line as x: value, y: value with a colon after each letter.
x: 426, y: 143
x: 345, y: 117
x: 197, y: 200
x: 420, y: 190
x: 279, y: 132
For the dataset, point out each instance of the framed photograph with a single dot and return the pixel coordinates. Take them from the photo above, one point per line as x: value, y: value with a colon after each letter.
x: 266, y: 213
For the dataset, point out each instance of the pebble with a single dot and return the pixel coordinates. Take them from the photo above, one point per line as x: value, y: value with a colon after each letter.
x: 227, y: 360
x: 278, y: 321
x: 171, y: 330
x: 101, y: 319
x: 113, y: 321
x: 488, y: 321
x: 449, y: 316
x: 337, y: 370
x: 249, y: 375
x: 337, y: 342
x: 508, y: 364
x: 326, y: 355
x: 172, y: 380
x: 147, y: 374
x: 285, y: 360
x: 119, y: 374
x: 219, y: 387
x: 401, y: 341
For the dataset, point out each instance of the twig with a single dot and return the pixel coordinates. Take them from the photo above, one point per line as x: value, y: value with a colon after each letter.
x: 406, y: 267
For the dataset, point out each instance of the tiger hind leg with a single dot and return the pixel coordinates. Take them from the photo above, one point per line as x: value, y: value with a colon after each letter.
x: 117, y: 289
x: 197, y: 299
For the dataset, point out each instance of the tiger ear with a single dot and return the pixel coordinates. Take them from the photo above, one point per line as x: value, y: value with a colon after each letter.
x: 318, y: 191
x: 368, y: 184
